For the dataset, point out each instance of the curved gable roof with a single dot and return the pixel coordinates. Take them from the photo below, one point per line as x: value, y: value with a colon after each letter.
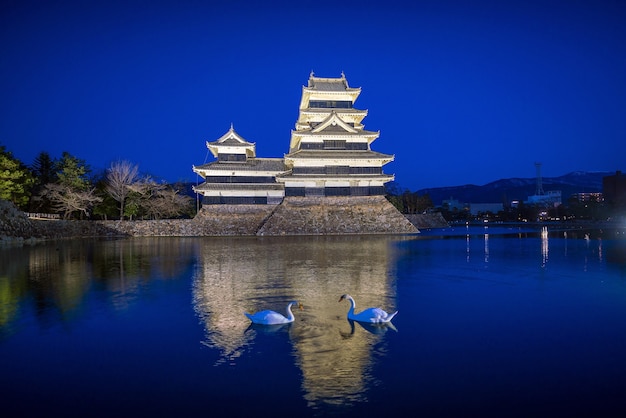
x: 231, y: 138
x: 334, y: 123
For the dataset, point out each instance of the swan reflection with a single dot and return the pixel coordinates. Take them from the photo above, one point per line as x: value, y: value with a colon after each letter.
x: 376, y: 329
x: 249, y: 274
x: 268, y: 329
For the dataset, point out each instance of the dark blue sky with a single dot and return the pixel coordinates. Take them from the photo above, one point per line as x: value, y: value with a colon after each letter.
x: 462, y: 92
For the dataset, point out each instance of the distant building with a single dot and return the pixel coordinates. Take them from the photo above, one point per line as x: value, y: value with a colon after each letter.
x: 588, y: 197
x: 482, y: 208
x: 544, y: 199
x: 550, y: 198
x: 614, y: 189
x: 454, y: 204
x: 329, y: 155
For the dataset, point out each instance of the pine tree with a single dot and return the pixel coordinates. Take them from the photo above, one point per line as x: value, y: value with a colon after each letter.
x: 16, y: 181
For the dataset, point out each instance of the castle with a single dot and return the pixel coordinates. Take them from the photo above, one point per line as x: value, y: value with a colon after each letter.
x: 330, y: 182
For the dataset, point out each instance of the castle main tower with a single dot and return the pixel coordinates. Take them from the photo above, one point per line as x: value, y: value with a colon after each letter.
x: 330, y: 151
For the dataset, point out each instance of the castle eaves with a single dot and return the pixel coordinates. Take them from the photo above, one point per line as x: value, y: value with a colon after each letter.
x: 338, y: 154
x: 239, y: 186
x: 253, y: 164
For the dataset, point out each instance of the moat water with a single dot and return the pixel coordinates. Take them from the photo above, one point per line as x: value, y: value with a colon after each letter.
x: 492, y: 322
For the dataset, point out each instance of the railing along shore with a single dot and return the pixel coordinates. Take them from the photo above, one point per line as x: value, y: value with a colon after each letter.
x: 51, y: 216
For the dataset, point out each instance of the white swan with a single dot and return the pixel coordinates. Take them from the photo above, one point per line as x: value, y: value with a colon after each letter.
x: 271, y: 317
x: 371, y: 315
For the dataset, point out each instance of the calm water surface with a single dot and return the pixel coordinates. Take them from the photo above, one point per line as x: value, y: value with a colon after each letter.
x: 492, y: 322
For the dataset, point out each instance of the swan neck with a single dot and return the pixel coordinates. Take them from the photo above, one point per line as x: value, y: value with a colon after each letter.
x: 352, y: 304
x: 289, y: 313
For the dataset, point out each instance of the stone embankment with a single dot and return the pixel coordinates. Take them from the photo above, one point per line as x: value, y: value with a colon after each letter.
x: 428, y: 220
x: 14, y: 224
x: 294, y: 216
x: 336, y: 216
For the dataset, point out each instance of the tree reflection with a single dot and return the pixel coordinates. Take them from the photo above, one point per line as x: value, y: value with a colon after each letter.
x: 54, y: 278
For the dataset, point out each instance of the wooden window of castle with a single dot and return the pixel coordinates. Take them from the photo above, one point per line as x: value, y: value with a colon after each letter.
x: 376, y: 191
x: 329, y: 104
x: 239, y: 179
x: 366, y: 170
x: 314, y: 191
x: 337, y: 169
x: 295, y: 191
x: 337, y: 191
x: 308, y: 170
x: 334, y: 144
x: 311, y: 145
x: 356, y: 146
x: 231, y: 157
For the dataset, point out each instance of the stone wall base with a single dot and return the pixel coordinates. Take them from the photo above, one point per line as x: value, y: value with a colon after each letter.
x: 218, y: 220
x: 336, y: 215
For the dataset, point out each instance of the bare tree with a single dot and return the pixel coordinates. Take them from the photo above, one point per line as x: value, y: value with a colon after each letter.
x: 159, y: 200
x: 167, y: 203
x: 120, y: 179
x: 67, y: 200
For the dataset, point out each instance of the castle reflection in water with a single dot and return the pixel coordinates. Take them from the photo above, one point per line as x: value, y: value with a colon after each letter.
x: 237, y: 275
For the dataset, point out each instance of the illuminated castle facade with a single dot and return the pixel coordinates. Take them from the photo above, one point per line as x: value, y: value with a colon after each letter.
x: 329, y: 155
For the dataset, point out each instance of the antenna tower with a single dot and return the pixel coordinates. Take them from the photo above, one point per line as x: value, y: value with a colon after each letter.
x: 539, y: 185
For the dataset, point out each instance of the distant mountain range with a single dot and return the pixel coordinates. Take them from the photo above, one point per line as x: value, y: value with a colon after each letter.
x: 506, y: 190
